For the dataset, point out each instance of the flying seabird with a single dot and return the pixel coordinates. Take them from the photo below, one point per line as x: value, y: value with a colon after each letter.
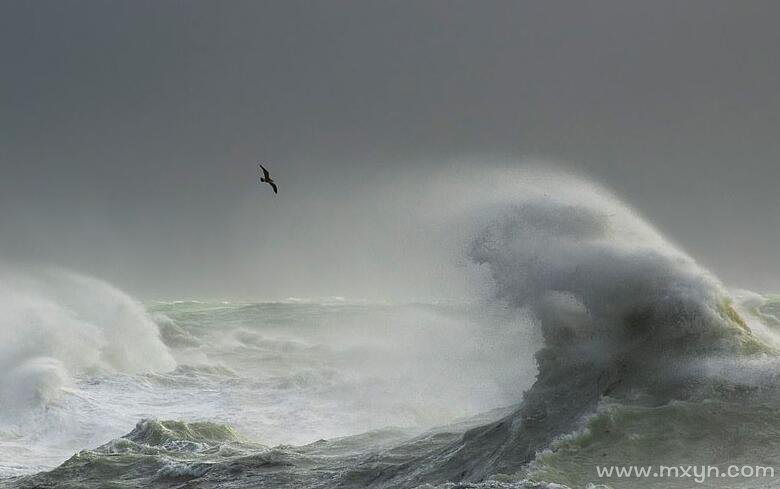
x: 266, y: 178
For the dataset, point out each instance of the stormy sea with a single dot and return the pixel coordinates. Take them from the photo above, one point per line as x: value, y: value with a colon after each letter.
x: 595, y: 342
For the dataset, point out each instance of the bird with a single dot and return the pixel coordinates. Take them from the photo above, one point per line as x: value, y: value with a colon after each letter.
x: 266, y: 178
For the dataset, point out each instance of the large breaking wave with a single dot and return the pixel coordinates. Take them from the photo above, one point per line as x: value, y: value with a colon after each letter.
x: 638, y: 341
x: 623, y: 313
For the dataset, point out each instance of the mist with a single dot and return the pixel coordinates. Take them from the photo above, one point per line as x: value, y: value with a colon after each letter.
x: 131, y: 133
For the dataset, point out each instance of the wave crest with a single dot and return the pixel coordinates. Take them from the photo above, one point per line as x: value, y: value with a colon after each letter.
x: 58, y: 324
x: 623, y: 313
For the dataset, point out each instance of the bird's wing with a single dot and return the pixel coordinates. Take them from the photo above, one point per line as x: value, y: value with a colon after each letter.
x: 265, y: 172
x: 272, y: 184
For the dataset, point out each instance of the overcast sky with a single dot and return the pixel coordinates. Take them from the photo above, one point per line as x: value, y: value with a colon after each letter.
x: 129, y: 131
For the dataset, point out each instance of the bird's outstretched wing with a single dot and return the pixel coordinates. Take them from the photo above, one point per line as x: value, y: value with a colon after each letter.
x: 265, y: 172
x: 272, y: 184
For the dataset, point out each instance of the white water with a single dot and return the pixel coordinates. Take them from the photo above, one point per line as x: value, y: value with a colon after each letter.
x: 86, y: 362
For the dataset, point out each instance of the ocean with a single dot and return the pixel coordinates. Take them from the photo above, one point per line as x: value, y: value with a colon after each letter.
x: 598, y: 346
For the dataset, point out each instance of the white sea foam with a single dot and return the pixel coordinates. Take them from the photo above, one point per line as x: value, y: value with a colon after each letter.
x: 56, y: 325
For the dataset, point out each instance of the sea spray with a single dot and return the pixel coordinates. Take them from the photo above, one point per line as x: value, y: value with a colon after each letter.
x: 57, y: 324
x: 622, y: 311
x: 59, y: 328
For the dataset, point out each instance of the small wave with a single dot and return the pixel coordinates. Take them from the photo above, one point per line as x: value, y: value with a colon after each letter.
x: 169, y: 433
x: 154, y: 451
x: 174, y: 335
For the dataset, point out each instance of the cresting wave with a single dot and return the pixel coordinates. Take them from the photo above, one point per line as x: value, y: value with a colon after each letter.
x: 57, y: 324
x: 623, y: 313
x: 638, y: 341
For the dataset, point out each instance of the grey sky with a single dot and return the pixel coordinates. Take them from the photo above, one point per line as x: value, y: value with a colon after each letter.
x: 129, y: 131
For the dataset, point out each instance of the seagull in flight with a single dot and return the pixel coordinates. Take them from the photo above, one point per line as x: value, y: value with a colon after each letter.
x: 266, y: 178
